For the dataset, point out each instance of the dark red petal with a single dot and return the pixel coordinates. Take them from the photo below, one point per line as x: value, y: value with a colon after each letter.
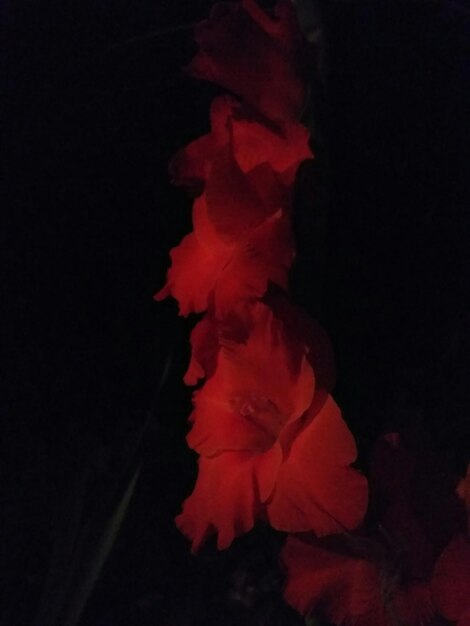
x: 451, y: 580
x: 267, y: 468
x: 254, y: 144
x: 316, y: 488
x: 299, y: 324
x: 206, y: 231
x: 251, y: 142
x: 204, y: 350
x: 464, y: 619
x: 346, y: 589
x: 392, y: 465
x: 237, y: 202
x: 191, y: 165
x: 413, y: 605
x: 219, y: 427
x: 263, y: 70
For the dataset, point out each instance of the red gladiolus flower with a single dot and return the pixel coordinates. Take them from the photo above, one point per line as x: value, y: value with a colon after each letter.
x: 211, y: 332
x: 253, y: 55
x: 251, y: 142
x: 351, y: 590
x: 230, y: 274
x: 451, y: 581
x: 242, y: 235
x: 257, y: 419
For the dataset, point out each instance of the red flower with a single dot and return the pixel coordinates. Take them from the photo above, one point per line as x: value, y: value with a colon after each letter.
x: 419, y: 509
x: 253, y: 55
x: 230, y: 274
x: 253, y: 144
x: 351, y: 590
x: 242, y: 235
x: 211, y: 332
x: 257, y: 419
x: 451, y: 581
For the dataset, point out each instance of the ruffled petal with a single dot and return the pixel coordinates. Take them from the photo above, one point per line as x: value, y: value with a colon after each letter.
x: 283, y: 150
x: 223, y: 500
x: 250, y: 141
x: 193, y: 273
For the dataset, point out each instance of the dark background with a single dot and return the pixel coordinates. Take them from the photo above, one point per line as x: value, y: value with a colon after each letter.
x: 90, y: 217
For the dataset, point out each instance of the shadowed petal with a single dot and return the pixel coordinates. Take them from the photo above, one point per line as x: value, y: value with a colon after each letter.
x: 263, y: 70
x: 451, y: 580
x: 345, y: 587
x: 254, y: 391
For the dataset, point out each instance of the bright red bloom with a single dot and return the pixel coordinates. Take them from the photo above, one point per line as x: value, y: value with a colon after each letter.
x: 451, y: 581
x: 351, y: 590
x: 253, y: 55
x: 257, y: 417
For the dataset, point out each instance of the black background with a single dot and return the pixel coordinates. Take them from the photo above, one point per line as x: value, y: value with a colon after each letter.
x: 89, y: 220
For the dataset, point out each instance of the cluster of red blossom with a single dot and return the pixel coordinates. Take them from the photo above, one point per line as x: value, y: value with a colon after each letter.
x: 272, y: 443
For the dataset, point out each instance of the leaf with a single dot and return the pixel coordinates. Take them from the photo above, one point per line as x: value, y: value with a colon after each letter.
x: 100, y: 555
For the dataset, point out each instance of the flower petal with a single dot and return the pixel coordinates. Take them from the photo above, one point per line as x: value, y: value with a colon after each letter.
x: 347, y: 589
x: 255, y: 389
x: 264, y: 256
x: 451, y: 580
x: 192, y: 275
x: 263, y: 70
x: 316, y: 488
x: 204, y: 350
x: 237, y: 202
x: 299, y: 324
x: 223, y: 500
